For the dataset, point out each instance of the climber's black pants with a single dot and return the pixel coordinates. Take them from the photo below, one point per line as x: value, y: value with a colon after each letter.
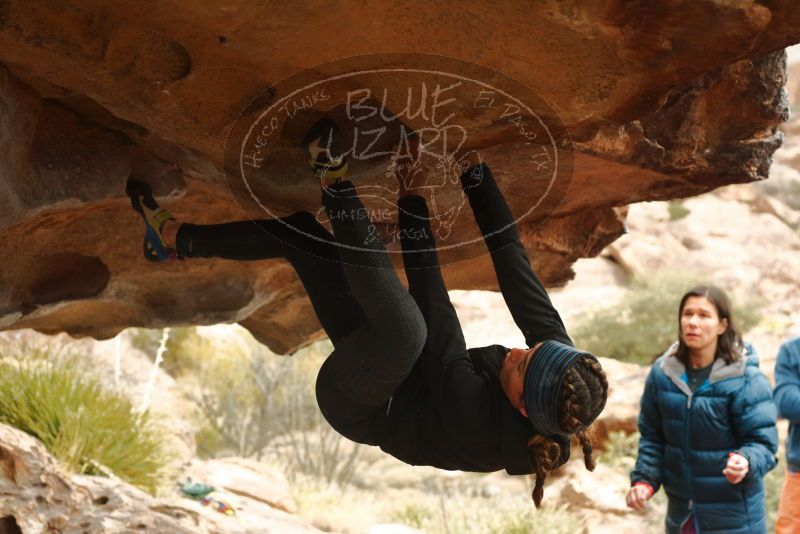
x: 376, y: 328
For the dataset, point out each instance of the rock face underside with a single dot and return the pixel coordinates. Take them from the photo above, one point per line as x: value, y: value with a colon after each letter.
x: 662, y: 100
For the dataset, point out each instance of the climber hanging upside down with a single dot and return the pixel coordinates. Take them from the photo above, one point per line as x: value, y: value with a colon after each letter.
x: 400, y: 376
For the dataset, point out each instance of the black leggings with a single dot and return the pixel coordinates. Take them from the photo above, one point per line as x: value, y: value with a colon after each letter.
x: 376, y: 328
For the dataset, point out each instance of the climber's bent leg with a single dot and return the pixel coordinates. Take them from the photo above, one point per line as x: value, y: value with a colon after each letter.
x: 367, y: 366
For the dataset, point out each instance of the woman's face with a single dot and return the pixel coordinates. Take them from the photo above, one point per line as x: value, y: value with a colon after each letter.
x: 512, y: 375
x: 700, y: 324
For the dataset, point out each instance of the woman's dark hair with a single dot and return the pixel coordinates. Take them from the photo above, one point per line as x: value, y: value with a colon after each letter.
x: 584, y: 393
x: 729, y: 344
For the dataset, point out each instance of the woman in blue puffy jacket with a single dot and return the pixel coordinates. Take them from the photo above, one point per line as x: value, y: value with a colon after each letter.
x: 707, y: 425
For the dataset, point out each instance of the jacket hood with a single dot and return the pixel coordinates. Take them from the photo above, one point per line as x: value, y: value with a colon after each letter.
x: 720, y: 369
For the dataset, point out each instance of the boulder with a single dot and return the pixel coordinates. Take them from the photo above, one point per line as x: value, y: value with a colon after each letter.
x: 247, y: 478
x: 599, y: 498
x: 38, y: 496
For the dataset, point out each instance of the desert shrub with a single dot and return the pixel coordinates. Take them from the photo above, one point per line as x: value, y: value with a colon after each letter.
x: 308, y: 444
x: 208, y: 441
x: 645, y: 322
x: 236, y: 389
x: 441, y: 504
x: 677, y: 211
x: 183, y: 345
x: 492, y: 515
x: 89, y: 429
x: 415, y: 515
x: 256, y: 403
x: 320, y: 452
x: 620, y: 450
x: 333, y: 508
x: 234, y: 383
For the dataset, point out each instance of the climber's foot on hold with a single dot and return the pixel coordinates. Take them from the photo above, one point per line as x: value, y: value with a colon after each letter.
x: 154, y: 246
x: 325, y: 156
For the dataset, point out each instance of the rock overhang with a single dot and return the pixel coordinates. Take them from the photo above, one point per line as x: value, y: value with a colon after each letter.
x: 661, y: 101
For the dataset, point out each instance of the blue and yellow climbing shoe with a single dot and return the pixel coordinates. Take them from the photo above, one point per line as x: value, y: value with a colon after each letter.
x: 154, y: 247
x: 325, y: 155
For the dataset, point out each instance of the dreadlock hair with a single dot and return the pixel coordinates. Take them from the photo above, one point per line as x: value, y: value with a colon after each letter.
x: 584, y: 391
x: 729, y: 343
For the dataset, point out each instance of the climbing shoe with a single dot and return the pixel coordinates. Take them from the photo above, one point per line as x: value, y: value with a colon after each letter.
x: 154, y: 247
x: 325, y: 154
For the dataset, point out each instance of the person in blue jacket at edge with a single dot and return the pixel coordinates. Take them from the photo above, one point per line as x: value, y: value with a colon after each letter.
x: 707, y: 425
x: 787, y: 398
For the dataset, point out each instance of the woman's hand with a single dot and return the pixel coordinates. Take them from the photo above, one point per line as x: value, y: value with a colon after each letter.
x: 737, y: 468
x: 638, y: 496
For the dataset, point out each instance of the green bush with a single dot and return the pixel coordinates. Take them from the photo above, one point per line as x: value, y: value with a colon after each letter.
x: 645, y: 322
x: 182, y: 347
x: 308, y: 445
x: 257, y: 403
x: 491, y: 515
x: 88, y: 429
x: 773, y: 484
x: 236, y: 388
x: 620, y: 450
x: 677, y: 211
x: 415, y: 515
x: 438, y: 504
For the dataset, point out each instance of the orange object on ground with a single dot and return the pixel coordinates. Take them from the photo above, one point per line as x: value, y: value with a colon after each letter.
x: 218, y: 504
x: 789, y: 507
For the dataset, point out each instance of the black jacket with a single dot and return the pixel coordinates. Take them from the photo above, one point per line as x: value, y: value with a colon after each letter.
x: 451, y: 412
x: 474, y: 428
